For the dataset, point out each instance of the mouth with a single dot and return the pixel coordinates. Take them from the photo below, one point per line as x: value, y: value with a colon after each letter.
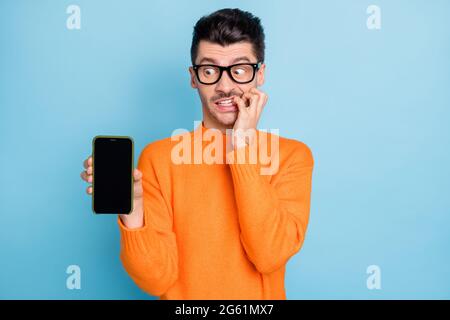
x: 226, y: 105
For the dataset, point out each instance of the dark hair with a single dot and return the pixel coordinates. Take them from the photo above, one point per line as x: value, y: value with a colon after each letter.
x: 228, y: 26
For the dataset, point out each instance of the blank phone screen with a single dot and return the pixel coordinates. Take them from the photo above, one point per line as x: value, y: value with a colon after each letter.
x: 112, y: 175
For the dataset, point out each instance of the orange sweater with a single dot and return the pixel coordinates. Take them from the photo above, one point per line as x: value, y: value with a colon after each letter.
x: 218, y: 231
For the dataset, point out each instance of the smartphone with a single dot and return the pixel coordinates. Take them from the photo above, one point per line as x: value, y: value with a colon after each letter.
x: 112, y: 164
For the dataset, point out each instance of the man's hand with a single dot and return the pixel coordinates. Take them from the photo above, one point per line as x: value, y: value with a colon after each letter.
x: 136, y: 218
x: 250, y: 108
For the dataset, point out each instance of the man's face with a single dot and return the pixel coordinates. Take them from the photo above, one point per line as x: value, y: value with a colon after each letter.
x: 223, y: 115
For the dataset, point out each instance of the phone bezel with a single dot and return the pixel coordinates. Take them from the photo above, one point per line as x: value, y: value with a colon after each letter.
x: 132, y: 170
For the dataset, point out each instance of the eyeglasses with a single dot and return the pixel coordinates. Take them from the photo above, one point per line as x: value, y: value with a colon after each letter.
x: 240, y: 73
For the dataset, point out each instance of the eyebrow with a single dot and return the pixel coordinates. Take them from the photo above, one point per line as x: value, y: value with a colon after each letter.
x: 211, y: 60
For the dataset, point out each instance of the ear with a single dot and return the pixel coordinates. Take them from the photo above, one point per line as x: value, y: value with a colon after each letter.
x: 193, y: 78
x: 260, y: 75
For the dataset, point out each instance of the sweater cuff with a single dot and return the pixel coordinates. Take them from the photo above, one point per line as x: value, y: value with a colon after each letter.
x: 135, y: 240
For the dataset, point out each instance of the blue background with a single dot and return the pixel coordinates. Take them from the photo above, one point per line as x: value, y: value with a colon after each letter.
x: 373, y: 105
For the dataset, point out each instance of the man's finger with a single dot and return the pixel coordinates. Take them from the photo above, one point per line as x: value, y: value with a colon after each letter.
x: 137, y: 175
x: 263, y: 104
x: 87, y: 162
x: 86, y: 177
x: 249, y: 98
x: 252, y: 101
x: 262, y: 99
x: 89, y: 190
x: 240, y: 103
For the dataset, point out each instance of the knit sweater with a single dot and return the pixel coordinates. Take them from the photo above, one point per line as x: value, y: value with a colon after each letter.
x: 218, y: 230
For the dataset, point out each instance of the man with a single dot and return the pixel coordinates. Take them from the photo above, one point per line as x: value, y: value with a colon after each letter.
x: 218, y: 230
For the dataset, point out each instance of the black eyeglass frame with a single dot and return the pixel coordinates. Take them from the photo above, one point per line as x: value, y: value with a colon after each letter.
x: 255, y: 66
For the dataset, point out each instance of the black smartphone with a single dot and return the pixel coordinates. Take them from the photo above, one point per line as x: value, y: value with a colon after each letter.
x: 112, y: 164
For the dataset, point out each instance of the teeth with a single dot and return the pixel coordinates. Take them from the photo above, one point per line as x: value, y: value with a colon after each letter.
x: 225, y: 101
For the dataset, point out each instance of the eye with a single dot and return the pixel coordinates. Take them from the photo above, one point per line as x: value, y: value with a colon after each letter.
x: 209, y: 71
x: 239, y: 71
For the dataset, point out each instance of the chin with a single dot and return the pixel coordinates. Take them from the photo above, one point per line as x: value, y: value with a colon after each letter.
x: 227, y: 120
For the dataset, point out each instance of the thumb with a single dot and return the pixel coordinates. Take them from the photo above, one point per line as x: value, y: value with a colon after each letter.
x: 137, y: 175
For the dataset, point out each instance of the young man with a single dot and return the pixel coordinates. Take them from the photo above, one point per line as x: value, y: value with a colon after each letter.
x: 218, y: 230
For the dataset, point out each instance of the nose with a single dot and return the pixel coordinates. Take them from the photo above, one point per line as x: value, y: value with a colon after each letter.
x: 225, y: 84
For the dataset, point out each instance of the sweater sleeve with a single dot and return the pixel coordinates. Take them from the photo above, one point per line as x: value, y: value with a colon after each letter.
x: 273, y: 217
x: 149, y: 254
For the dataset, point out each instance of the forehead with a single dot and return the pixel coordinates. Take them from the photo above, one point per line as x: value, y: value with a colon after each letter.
x: 209, y: 52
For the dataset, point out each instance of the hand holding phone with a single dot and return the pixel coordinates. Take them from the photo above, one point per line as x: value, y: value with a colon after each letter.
x: 117, y: 187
